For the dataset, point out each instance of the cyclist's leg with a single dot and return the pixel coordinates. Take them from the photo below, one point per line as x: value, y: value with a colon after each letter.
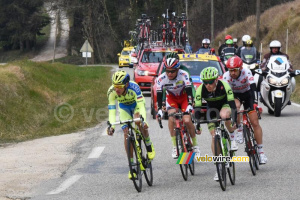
x: 171, y: 106
x: 212, y: 113
x: 125, y: 114
x: 226, y: 113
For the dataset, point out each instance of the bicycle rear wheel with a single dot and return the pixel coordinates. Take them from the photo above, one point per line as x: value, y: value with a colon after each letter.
x: 146, y: 163
x: 249, y: 148
x: 180, y: 149
x: 221, y: 170
x: 134, y: 166
x: 256, y: 156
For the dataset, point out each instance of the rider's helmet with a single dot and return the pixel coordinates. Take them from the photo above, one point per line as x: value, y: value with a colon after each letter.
x: 227, y: 37
x: 275, y: 43
x: 245, y: 38
x: 120, y: 78
x: 249, y: 43
x: 171, y: 61
x: 205, y: 41
x: 209, y: 73
x: 229, y: 42
x: 234, y: 62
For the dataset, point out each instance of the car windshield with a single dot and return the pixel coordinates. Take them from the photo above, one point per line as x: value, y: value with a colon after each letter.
x: 153, y: 57
x: 125, y: 53
x: 195, y: 67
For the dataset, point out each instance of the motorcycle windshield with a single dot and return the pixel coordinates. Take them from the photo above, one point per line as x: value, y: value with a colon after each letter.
x: 248, y: 55
x: 228, y: 52
x: 203, y: 51
x: 278, y: 63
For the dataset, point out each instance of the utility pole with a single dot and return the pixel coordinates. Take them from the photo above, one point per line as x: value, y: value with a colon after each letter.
x: 212, y: 21
x: 257, y: 22
x: 186, y: 12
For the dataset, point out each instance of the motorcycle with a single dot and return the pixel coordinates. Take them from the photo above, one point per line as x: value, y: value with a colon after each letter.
x: 277, y: 85
x: 226, y: 53
x: 249, y: 58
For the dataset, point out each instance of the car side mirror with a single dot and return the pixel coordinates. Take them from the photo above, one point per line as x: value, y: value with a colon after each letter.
x: 134, y: 55
x: 119, y: 54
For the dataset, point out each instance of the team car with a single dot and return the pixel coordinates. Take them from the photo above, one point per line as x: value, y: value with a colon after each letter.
x: 194, y: 63
x: 124, y: 57
x: 148, y: 62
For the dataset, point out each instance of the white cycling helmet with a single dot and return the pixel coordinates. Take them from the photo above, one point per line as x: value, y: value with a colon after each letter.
x: 245, y: 38
x: 205, y: 41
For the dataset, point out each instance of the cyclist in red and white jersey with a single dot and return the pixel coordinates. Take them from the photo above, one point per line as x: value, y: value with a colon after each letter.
x: 243, y: 86
x: 179, y: 92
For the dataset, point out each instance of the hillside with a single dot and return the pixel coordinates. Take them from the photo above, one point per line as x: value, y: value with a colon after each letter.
x: 34, y: 96
x: 273, y: 26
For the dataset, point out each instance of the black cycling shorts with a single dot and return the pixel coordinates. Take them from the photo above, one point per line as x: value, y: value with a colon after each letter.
x: 246, y: 99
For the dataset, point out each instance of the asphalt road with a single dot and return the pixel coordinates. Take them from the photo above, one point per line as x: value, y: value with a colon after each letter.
x: 104, y: 176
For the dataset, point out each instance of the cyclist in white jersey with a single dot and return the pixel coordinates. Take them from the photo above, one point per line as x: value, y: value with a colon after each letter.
x: 243, y: 86
x: 179, y: 95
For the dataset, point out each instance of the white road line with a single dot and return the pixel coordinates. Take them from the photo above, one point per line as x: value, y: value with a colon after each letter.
x: 295, y: 104
x: 104, y: 133
x: 96, y: 152
x: 67, y: 183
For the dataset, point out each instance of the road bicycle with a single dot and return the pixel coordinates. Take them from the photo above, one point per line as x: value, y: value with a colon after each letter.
x: 222, y: 145
x: 183, y: 143
x: 250, y: 142
x: 136, y: 150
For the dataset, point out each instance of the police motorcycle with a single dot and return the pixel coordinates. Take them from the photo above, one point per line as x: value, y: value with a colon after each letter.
x: 250, y: 58
x: 277, y: 85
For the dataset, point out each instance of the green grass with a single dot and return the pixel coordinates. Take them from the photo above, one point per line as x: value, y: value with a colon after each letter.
x: 30, y: 95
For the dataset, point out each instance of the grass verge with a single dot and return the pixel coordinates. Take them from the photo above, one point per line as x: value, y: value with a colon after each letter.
x: 43, y: 99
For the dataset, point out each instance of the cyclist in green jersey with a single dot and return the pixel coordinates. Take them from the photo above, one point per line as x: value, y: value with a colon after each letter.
x: 220, y: 104
x: 131, y: 104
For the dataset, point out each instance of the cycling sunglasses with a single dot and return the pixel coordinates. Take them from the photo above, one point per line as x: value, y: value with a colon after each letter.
x: 119, y: 86
x: 170, y: 71
x: 234, y: 69
x: 209, y: 82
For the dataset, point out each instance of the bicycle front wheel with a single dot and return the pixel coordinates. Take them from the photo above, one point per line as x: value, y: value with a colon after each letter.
x: 180, y: 149
x: 134, y: 164
x: 146, y: 163
x: 249, y: 148
x: 221, y: 170
x: 231, y: 168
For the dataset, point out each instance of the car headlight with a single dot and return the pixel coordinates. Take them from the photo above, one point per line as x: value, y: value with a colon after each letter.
x: 121, y: 59
x: 272, y: 81
x: 142, y: 73
x: 285, y: 81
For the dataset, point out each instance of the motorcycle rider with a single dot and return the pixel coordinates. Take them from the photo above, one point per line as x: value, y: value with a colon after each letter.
x: 275, y: 46
x: 227, y: 37
x: 243, y: 86
x: 245, y: 38
x: 205, y: 46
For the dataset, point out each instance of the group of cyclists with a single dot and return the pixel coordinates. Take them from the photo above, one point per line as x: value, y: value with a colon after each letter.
x: 224, y: 100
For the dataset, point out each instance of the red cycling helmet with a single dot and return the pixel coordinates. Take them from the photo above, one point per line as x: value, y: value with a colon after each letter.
x: 234, y: 62
x: 228, y: 37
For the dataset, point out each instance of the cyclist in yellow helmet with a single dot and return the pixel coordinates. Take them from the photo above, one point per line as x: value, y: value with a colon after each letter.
x: 131, y: 104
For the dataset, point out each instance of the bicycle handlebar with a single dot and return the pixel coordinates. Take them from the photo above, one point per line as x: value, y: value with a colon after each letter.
x: 127, y: 121
x: 213, y: 120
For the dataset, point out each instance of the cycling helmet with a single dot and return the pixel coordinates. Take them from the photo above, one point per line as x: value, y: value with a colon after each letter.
x: 229, y: 41
x: 249, y: 43
x: 205, y: 41
x: 173, y: 55
x: 209, y: 73
x: 234, y: 62
x: 120, y: 78
x: 227, y: 37
x: 275, y: 43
